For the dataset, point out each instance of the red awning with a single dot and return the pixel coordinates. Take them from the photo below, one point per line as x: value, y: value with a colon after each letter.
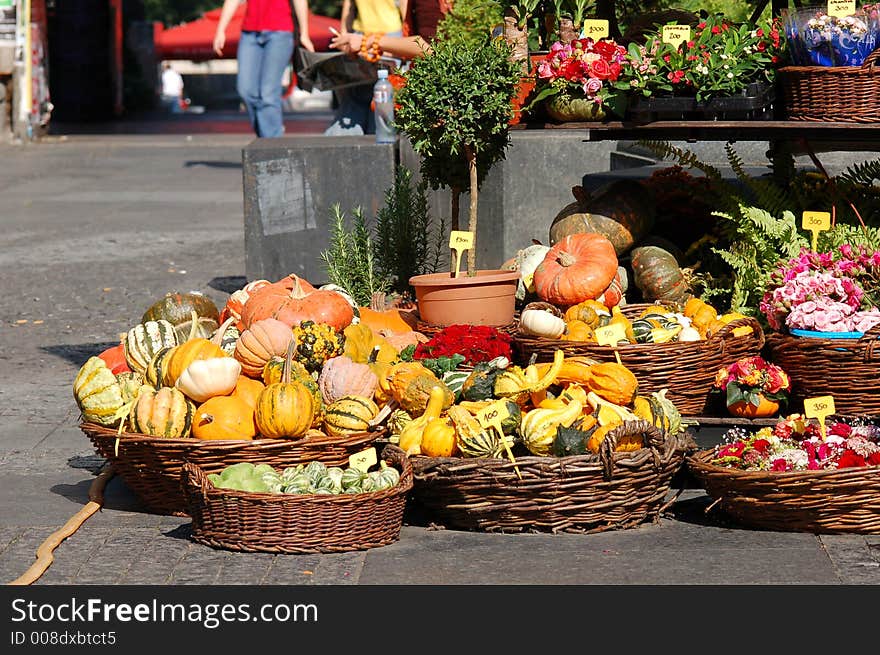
x: 194, y: 40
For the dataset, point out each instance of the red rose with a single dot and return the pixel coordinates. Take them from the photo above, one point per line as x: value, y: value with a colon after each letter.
x: 779, y: 465
x: 605, y: 49
x: 571, y: 70
x: 850, y: 459
x: 874, y: 459
x: 716, y: 30
x: 601, y: 69
x: 840, y: 430
x: 761, y: 445
x: 615, y: 70
x: 732, y: 450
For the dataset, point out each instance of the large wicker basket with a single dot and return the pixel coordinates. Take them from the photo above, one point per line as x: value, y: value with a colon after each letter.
x: 578, y: 493
x: 150, y: 466
x: 831, y: 93
x: 822, y: 502
x: 293, y: 523
x: 844, y: 368
x: 687, y: 369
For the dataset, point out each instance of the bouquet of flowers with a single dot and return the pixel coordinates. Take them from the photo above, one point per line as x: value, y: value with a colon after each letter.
x: 722, y: 59
x: 473, y: 343
x: 817, y: 39
x: 749, y: 378
x: 796, y: 444
x: 583, y: 69
x: 835, y: 291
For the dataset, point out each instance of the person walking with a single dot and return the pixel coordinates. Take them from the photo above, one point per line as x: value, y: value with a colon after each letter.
x: 172, y: 89
x: 353, y: 115
x: 264, y: 51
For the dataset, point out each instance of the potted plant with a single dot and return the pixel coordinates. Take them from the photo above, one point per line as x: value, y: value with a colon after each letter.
x: 754, y: 387
x: 455, y: 108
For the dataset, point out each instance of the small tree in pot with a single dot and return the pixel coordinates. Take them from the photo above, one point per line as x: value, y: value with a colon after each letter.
x: 455, y: 108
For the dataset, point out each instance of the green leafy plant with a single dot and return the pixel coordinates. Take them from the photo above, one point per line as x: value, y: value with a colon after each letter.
x: 455, y: 107
x: 349, y: 261
x: 470, y: 20
x: 403, y: 243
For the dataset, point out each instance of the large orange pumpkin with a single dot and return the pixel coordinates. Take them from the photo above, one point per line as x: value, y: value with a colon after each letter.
x: 224, y: 417
x: 237, y: 299
x: 380, y: 316
x: 294, y: 305
x: 259, y: 343
x: 578, y: 268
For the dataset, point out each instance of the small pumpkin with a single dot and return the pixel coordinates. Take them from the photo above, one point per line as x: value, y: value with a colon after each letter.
x: 381, y: 316
x: 315, y: 343
x: 349, y: 415
x: 526, y: 261
x: 263, y: 340
x: 274, y: 372
x: 224, y: 417
x: 361, y: 344
x: 237, y: 299
x: 285, y: 409
x: 612, y: 382
x: 163, y: 412
x: 342, y: 377
x: 541, y: 323
x: 206, y: 378
x: 438, y: 439
x: 587, y: 311
x: 539, y: 426
x: 145, y: 340
x: 114, y: 358
x: 401, y: 340
x: 177, y: 308
x: 175, y: 361
x: 578, y: 268
x: 293, y: 306
x: 248, y: 389
x: 658, y: 276
x: 411, y: 384
x: 578, y: 331
x: 97, y: 392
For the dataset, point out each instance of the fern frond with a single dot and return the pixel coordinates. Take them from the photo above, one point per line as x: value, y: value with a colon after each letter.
x: 684, y: 158
x: 861, y: 173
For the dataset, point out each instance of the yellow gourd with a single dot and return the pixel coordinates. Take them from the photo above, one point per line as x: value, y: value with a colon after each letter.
x: 613, y: 382
x: 538, y: 428
x: 411, y: 435
x: 438, y: 439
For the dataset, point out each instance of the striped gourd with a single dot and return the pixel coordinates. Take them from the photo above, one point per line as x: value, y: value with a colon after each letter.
x: 155, y: 371
x: 284, y: 409
x: 348, y: 415
x: 163, y: 412
x: 145, y: 340
x: 454, y: 380
x: 472, y: 439
x: 97, y: 392
x: 272, y: 373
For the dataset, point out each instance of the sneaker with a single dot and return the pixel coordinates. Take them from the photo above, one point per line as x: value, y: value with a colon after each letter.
x: 345, y: 127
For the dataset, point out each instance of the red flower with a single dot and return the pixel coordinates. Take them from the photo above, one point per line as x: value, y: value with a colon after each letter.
x: 840, y: 430
x: 676, y: 76
x: 476, y: 343
x: 761, y: 445
x: 759, y: 32
x: 761, y: 46
x: 732, y: 450
x: 874, y: 459
x: 716, y: 29
x: 701, y: 26
x: 601, y: 69
x: 571, y: 70
x: 850, y: 459
x: 779, y: 465
x: 690, y: 44
x: 604, y: 48
x: 615, y: 70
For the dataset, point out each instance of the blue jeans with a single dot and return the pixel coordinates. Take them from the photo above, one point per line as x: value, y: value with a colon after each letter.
x: 262, y: 58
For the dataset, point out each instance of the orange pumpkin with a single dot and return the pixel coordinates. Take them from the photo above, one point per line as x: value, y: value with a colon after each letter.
x: 380, y: 316
x: 178, y: 357
x: 578, y: 268
x: 286, y: 408
x: 237, y: 299
x: 744, y: 409
x: 401, y: 340
x: 259, y: 343
x: 577, y: 331
x: 248, y: 389
x: 293, y: 306
x: 224, y: 417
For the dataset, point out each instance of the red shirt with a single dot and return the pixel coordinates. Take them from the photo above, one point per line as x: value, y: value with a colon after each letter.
x: 274, y: 15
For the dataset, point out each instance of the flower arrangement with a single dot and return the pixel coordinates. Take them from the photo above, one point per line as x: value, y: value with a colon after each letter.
x: 796, y: 444
x: 749, y: 378
x: 476, y: 343
x: 722, y: 59
x: 815, y: 38
x: 583, y: 69
x: 835, y: 291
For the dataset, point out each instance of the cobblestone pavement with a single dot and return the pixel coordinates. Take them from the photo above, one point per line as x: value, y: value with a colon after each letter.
x: 92, y: 230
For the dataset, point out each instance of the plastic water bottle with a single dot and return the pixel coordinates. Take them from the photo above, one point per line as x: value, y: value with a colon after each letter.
x: 383, y: 99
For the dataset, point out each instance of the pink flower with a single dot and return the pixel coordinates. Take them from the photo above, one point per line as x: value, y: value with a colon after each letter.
x: 779, y: 465
x: 592, y: 86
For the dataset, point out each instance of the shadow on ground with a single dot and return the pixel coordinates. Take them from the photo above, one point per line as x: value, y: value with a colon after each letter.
x: 228, y: 284
x: 211, y: 164
x: 116, y: 495
x: 78, y: 353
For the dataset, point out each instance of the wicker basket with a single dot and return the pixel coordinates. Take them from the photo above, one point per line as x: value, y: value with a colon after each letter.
x: 293, y: 523
x: 822, y: 502
x: 831, y: 93
x: 687, y: 369
x: 578, y: 493
x: 843, y: 368
x: 150, y: 466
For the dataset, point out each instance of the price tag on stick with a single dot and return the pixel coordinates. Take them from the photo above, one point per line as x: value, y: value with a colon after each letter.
x: 816, y: 222
x: 363, y: 460
x: 611, y: 335
x: 459, y: 241
x: 676, y: 34
x: 595, y: 28
x: 841, y: 8
x: 820, y: 408
x: 491, y: 417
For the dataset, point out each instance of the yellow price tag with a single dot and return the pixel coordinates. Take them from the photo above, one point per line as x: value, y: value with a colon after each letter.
x: 841, y: 8
x: 491, y: 417
x: 363, y: 460
x: 816, y: 222
x: 595, y: 28
x: 459, y: 241
x: 819, y: 407
x: 676, y: 34
x: 611, y: 335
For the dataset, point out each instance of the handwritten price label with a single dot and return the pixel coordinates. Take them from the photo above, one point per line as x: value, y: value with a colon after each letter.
x: 459, y: 241
x: 820, y: 408
x: 676, y: 34
x: 595, y: 28
x: 611, y: 335
x: 493, y: 415
x: 816, y: 222
x: 363, y: 460
x: 841, y: 8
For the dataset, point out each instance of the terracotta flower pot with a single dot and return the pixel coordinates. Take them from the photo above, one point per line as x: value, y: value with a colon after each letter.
x: 488, y: 298
x: 743, y: 409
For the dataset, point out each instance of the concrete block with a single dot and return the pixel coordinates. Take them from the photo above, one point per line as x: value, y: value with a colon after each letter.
x: 290, y: 185
x: 522, y: 194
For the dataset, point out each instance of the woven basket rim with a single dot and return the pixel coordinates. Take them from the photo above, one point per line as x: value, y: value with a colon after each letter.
x: 699, y: 462
x: 191, y: 472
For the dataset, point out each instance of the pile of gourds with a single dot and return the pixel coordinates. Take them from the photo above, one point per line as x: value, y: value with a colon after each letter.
x: 280, y: 360
x: 312, y: 478
x: 566, y: 407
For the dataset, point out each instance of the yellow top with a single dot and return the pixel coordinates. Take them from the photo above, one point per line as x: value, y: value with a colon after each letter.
x: 377, y: 16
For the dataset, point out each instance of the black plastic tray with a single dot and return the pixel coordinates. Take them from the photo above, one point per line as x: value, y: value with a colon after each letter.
x: 754, y: 103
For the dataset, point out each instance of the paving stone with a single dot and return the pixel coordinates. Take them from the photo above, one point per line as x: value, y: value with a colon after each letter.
x: 293, y: 570
x: 852, y: 558
x: 244, y: 568
x: 21, y: 553
x: 340, y: 568
x: 8, y: 535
